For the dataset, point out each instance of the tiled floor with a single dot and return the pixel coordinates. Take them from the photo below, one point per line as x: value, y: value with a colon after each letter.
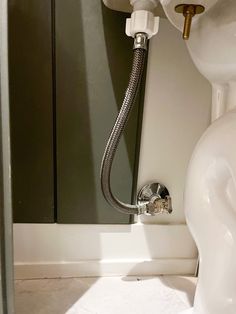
x: 108, y: 295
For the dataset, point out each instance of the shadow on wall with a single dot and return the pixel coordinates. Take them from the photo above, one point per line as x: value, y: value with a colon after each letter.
x: 75, y: 165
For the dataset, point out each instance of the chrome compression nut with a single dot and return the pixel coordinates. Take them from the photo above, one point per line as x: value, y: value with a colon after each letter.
x: 154, y: 199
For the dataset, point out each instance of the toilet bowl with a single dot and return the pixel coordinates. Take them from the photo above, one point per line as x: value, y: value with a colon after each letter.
x: 210, y: 195
x: 210, y: 206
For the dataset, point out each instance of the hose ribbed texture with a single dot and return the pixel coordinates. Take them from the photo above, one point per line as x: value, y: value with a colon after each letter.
x: 116, y: 132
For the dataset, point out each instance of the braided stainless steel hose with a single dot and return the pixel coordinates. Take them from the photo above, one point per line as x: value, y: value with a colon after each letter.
x: 140, y: 46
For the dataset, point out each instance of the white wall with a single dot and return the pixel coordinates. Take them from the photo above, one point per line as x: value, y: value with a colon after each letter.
x: 177, y: 111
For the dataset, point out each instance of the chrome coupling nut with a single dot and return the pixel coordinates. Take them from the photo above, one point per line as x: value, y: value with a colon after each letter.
x: 140, y: 41
x: 154, y: 199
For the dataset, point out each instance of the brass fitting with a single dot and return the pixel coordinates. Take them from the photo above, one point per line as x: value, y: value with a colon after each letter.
x: 188, y: 11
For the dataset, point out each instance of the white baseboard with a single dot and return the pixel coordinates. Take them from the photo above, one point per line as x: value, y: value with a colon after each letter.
x: 97, y: 268
x: 52, y: 251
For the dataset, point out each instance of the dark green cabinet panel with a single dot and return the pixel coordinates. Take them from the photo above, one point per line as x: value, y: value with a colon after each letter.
x: 69, y: 67
x: 93, y: 60
x: 30, y: 56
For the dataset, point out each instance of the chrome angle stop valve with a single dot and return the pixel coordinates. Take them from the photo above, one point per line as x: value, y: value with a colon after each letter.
x: 154, y: 198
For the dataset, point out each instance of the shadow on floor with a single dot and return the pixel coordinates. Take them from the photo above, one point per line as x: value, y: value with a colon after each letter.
x: 179, y: 283
x: 182, y: 284
x: 47, y: 296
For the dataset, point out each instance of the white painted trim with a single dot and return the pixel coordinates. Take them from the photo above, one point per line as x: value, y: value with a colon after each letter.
x: 52, y: 250
x: 106, y: 268
x: 53, y: 243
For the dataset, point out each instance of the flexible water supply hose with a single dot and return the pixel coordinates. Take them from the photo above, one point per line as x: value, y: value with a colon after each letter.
x: 120, y: 123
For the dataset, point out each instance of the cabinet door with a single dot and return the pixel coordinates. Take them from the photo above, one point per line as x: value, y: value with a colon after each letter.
x: 93, y: 61
x: 31, y: 106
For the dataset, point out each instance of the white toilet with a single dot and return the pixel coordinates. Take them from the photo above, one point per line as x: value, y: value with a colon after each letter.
x: 210, y: 196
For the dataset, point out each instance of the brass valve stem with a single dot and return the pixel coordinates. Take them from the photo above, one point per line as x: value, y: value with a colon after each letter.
x: 188, y: 11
